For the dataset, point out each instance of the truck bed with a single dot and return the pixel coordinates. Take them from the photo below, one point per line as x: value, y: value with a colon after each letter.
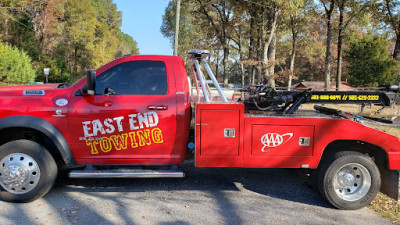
x: 228, y: 136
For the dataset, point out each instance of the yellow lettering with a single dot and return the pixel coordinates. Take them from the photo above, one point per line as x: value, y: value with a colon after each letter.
x: 144, y: 137
x: 156, y: 135
x: 132, y: 135
x: 120, y: 141
x: 92, y: 145
x: 324, y: 97
x: 105, y: 145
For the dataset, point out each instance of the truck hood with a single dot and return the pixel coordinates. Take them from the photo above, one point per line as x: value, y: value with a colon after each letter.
x: 20, y: 90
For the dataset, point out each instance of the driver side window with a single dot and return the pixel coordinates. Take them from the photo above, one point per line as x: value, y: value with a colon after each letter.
x: 133, y: 78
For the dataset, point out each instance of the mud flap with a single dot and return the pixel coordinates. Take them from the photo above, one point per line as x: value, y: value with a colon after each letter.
x: 390, y: 183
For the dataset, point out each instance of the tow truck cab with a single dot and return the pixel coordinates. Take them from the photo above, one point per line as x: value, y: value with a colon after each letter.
x: 139, y: 113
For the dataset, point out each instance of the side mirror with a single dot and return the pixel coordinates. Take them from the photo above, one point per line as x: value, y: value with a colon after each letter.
x: 91, y: 82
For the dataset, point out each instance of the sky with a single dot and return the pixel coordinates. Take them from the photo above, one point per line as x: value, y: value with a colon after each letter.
x: 142, y: 21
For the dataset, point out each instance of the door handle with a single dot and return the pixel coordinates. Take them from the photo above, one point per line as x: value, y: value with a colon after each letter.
x: 160, y: 107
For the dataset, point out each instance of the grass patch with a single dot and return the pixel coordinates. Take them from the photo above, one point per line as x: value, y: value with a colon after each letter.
x: 387, y: 208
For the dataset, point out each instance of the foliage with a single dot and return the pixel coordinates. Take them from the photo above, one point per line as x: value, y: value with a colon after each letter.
x: 268, y: 38
x: 126, y: 45
x: 58, y: 72
x: 370, y: 64
x: 79, y: 34
x: 66, y: 36
x: 24, y: 36
x: 15, y: 66
x: 259, y: 40
x: 189, y: 38
x: 108, y: 23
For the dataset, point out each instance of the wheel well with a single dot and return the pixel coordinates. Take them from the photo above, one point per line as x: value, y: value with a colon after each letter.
x: 18, y: 133
x: 378, y: 155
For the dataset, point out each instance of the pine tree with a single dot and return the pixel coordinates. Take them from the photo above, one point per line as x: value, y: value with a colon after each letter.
x: 370, y: 64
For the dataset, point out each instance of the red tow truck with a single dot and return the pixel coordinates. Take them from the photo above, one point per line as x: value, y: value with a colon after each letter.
x: 137, y: 111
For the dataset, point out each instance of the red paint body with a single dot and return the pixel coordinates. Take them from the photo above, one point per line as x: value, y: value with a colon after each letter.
x: 162, y: 137
x: 247, y: 149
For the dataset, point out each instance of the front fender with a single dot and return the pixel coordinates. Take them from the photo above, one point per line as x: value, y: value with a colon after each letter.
x: 44, y: 127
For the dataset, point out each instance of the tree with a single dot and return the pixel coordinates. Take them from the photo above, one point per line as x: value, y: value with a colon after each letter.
x: 15, y: 66
x: 352, y: 9
x: 23, y: 35
x: 269, y: 40
x: 79, y: 34
x: 59, y: 72
x: 126, y: 45
x: 390, y: 10
x: 296, y: 21
x: 370, y: 64
x: 66, y: 36
x: 329, y: 6
x: 106, y: 32
x: 189, y: 38
x: 219, y: 14
x: 44, y: 16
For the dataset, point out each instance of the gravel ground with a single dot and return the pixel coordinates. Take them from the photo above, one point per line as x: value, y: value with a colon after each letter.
x: 205, y: 196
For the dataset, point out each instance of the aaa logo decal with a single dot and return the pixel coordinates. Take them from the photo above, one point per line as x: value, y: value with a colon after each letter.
x: 272, y: 140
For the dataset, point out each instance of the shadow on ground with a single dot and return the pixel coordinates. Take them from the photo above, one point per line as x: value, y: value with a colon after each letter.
x: 287, y: 184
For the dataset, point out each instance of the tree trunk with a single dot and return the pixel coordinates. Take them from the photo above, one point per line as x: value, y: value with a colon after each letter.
x: 271, y: 59
x: 339, y: 47
x: 250, y: 68
x: 224, y: 63
x: 329, y: 35
x: 253, y: 75
x: 216, y: 66
x: 241, y: 56
x: 267, y: 43
x: 242, y: 70
x: 6, y: 33
x: 292, y: 59
x: 75, y: 60
x: 396, y: 53
x: 259, y: 50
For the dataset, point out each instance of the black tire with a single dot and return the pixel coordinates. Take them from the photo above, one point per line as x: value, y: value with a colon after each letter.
x: 37, y: 171
x: 349, y: 180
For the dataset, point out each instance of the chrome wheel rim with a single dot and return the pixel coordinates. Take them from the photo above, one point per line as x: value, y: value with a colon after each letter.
x: 19, y: 173
x: 352, y: 182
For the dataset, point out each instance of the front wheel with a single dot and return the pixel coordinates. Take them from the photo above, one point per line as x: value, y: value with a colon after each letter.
x: 349, y: 180
x: 27, y: 171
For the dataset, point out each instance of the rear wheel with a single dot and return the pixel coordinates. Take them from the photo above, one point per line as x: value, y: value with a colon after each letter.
x: 349, y: 180
x: 27, y: 171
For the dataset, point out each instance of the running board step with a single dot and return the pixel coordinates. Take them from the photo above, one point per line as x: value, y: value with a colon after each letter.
x: 126, y: 174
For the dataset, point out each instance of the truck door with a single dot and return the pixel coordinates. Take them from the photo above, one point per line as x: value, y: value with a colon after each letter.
x: 131, y: 119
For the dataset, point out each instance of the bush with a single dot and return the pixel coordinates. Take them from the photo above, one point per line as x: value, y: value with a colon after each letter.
x: 15, y: 66
x: 370, y: 64
x: 59, y: 72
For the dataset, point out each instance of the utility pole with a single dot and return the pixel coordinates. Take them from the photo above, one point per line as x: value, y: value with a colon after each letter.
x: 178, y: 10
